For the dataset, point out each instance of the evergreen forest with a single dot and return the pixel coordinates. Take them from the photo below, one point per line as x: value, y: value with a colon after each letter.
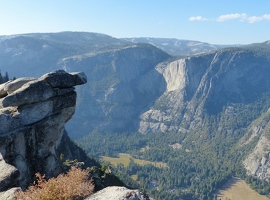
x: 196, y: 165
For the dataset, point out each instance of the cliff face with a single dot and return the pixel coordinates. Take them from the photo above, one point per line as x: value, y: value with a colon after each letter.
x: 122, y: 83
x: 206, y: 85
x: 33, y: 113
x: 257, y: 139
x: 114, y: 192
x: 230, y: 85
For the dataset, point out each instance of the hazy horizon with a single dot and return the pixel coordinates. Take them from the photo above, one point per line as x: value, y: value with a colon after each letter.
x: 232, y: 22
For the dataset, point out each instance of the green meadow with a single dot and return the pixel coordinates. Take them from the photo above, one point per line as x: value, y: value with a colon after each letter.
x: 125, y: 159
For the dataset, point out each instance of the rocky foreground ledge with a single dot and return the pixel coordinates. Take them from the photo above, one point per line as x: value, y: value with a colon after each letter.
x: 33, y: 112
x: 118, y: 193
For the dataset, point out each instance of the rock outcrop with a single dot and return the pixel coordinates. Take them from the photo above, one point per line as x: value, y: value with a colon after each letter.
x: 257, y: 163
x: 115, y: 193
x: 8, y: 176
x: 33, y: 112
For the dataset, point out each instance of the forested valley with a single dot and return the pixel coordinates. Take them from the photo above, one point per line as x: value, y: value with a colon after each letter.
x: 179, y: 127
x: 196, y: 165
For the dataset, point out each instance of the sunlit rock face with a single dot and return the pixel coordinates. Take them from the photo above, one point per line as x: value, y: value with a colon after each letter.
x: 115, y: 192
x: 257, y: 162
x: 33, y: 113
x: 206, y: 84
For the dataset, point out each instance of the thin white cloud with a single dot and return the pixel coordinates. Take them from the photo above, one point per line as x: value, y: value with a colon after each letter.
x: 197, y: 18
x: 257, y: 19
x: 242, y: 17
x: 266, y: 16
x: 227, y: 17
x: 254, y: 19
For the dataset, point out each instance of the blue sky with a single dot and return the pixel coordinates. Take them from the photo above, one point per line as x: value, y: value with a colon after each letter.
x: 212, y: 21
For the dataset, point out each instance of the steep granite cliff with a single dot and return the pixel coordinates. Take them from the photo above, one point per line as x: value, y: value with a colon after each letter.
x: 33, y: 113
x: 122, y: 83
x: 257, y: 139
x: 207, y: 84
x: 229, y: 88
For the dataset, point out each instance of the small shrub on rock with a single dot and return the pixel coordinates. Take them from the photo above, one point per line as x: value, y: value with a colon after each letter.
x: 71, y: 186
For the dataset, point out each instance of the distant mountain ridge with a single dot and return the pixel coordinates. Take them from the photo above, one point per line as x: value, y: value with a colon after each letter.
x: 26, y: 51
x: 179, y: 48
x: 20, y: 54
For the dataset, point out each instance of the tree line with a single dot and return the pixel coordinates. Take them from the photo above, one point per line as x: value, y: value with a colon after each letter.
x: 4, y: 78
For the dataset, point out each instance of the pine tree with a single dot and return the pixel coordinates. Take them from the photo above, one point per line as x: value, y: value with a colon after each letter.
x: 6, y: 77
x: 1, y: 78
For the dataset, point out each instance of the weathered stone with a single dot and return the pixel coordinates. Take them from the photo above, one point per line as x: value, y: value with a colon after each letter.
x: 32, y: 120
x: 3, y: 92
x: 8, y: 175
x: 33, y: 113
x: 257, y: 162
x: 31, y: 92
x: 66, y: 100
x: 115, y: 192
x: 79, y: 78
x: 62, y: 91
x: 12, y: 86
x: 8, y: 119
x: 62, y: 79
x: 9, y: 194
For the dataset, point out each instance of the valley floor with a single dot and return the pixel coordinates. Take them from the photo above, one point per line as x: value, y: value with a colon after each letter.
x: 237, y: 189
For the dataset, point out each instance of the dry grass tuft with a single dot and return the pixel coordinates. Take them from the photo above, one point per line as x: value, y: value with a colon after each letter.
x: 71, y: 186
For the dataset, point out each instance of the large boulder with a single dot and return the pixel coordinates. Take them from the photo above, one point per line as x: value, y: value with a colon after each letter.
x: 8, y: 175
x: 33, y: 91
x: 9, y: 194
x: 62, y: 79
x: 115, y: 192
x: 14, y: 85
x: 33, y: 113
x: 3, y: 93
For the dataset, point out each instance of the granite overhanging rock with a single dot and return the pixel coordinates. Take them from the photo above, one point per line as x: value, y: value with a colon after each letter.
x: 33, y: 112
